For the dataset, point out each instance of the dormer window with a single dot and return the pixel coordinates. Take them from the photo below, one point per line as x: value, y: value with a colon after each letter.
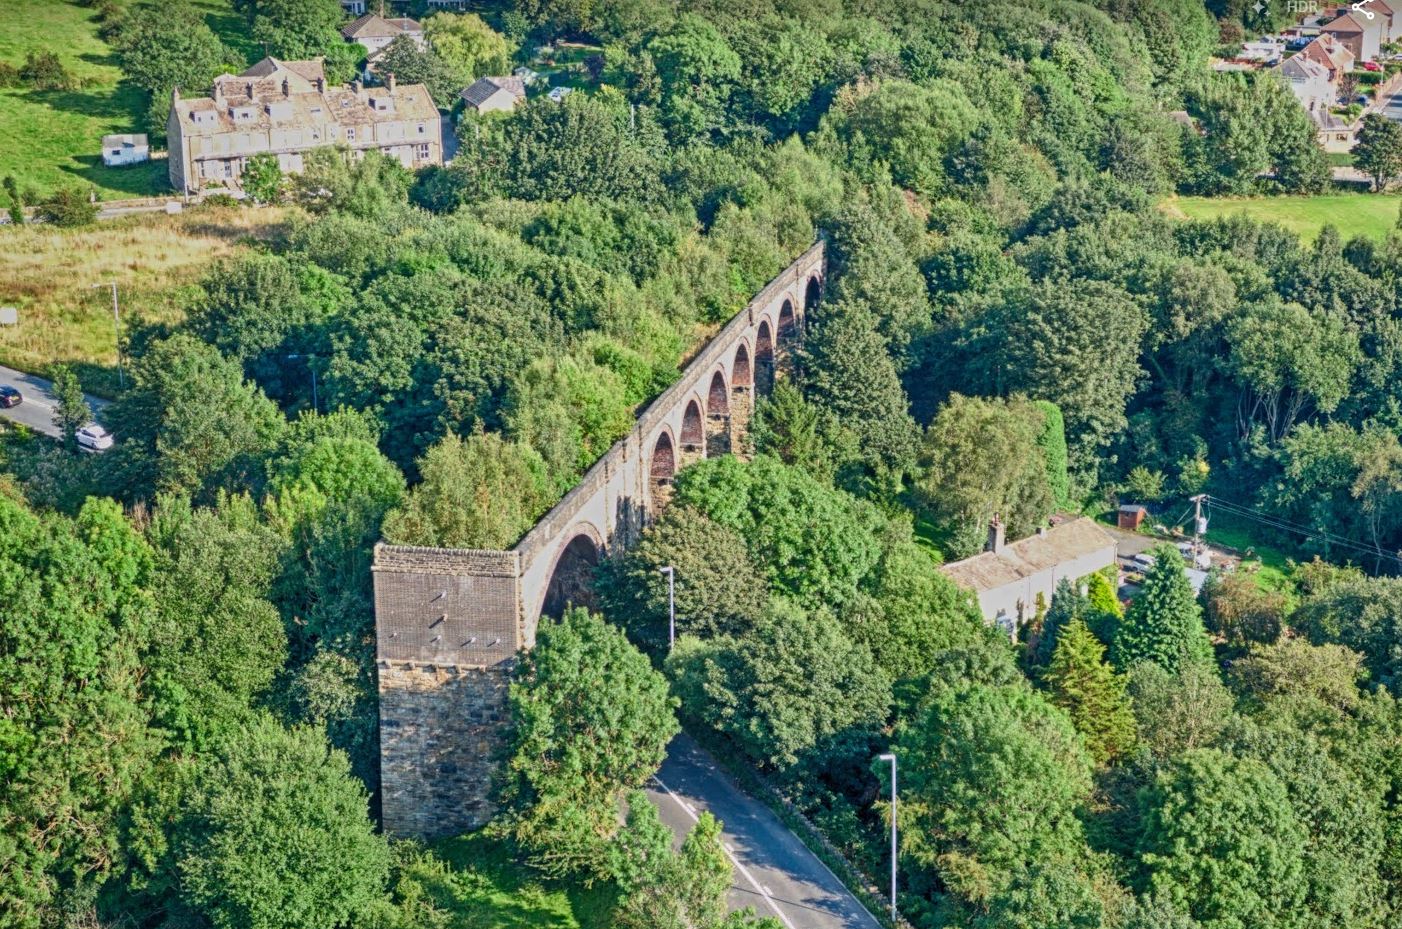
x: 242, y: 114
x: 202, y: 117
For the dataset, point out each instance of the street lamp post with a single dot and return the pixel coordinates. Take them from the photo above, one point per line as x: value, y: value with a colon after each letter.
x: 117, y: 328
x: 892, y: 758
x: 671, y: 573
x: 316, y: 407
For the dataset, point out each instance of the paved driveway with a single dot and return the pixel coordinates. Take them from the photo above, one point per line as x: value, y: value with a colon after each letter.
x: 37, y: 410
x: 774, y: 873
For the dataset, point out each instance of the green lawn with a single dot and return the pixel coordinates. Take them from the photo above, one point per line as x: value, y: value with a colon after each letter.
x: 50, y: 139
x: 1372, y: 215
x: 1270, y: 565
x: 485, y: 888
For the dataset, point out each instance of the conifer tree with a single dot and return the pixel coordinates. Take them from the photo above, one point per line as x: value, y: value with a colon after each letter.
x: 1091, y: 693
x: 1067, y: 604
x: 1164, y: 623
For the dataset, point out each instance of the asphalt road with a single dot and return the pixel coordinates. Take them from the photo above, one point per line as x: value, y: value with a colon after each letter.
x: 774, y: 873
x: 37, y: 410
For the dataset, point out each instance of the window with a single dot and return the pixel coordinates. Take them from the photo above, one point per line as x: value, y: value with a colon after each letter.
x: 422, y: 130
x: 350, y: 133
x: 421, y: 151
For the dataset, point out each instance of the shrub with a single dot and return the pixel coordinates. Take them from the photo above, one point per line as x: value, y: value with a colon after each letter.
x: 43, y: 71
x: 9, y: 75
x: 68, y: 208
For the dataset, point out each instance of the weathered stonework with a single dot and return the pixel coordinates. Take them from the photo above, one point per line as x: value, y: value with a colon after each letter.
x: 450, y: 622
x: 442, y: 736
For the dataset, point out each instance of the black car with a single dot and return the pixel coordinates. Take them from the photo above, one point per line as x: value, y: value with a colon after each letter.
x: 9, y: 396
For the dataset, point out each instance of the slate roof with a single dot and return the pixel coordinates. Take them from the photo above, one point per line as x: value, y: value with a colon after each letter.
x: 134, y: 140
x: 1347, y: 23
x: 1304, y: 68
x: 482, y: 89
x: 1029, y: 556
x: 373, y: 26
x: 308, y: 70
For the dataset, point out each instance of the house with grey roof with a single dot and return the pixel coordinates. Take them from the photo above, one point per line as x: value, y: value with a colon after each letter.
x: 286, y: 108
x: 494, y: 94
x: 376, y: 32
x: 1008, y: 577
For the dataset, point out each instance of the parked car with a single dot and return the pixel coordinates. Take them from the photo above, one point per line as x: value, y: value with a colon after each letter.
x: 95, y: 437
x: 1372, y: 66
x: 9, y: 396
x: 1144, y: 560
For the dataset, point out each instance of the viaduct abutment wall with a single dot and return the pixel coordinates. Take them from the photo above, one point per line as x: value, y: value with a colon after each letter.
x: 449, y: 622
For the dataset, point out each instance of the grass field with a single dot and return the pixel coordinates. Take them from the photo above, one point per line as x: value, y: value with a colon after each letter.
x: 50, y: 139
x: 48, y: 274
x: 1372, y: 215
x: 489, y: 890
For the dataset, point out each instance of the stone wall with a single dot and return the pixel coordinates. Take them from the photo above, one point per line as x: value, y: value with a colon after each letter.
x: 442, y: 736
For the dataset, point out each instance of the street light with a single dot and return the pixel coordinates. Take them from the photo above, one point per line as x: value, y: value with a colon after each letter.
x: 117, y: 327
x: 671, y: 573
x: 316, y: 407
x: 892, y: 758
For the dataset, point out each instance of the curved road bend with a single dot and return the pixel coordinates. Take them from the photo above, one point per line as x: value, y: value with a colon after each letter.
x: 37, y: 410
x: 773, y: 872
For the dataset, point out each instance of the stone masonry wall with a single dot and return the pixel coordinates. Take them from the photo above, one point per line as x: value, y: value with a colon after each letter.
x: 442, y: 735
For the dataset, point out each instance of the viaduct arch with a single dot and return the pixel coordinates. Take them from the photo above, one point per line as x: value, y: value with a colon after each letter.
x: 448, y: 622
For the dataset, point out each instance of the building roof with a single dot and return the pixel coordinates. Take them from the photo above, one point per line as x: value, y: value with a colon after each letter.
x: 127, y: 139
x: 372, y: 26
x: 482, y: 89
x: 1347, y: 23
x: 1329, y: 53
x: 1133, y: 508
x: 1304, y: 69
x: 1021, y: 559
x: 280, y: 100
x: 311, y: 70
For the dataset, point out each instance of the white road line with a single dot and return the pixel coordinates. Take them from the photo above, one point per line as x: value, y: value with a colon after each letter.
x: 761, y: 890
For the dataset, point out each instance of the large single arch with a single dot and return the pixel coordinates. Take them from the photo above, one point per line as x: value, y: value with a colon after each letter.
x: 572, y: 578
x: 786, y: 324
x: 811, y: 294
x: 661, y: 468
x: 764, y: 359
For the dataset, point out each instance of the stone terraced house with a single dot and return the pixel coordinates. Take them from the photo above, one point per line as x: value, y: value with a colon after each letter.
x: 286, y: 108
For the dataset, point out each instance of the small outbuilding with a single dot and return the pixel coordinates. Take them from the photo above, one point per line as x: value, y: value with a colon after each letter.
x: 494, y: 94
x: 1132, y: 516
x: 128, y: 149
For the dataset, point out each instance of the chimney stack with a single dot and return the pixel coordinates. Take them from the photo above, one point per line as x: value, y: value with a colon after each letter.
x: 355, y: 87
x: 321, y: 85
x: 389, y: 82
x: 286, y: 88
x: 995, y: 535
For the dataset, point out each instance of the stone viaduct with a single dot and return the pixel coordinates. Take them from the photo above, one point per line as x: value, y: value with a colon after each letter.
x: 449, y: 622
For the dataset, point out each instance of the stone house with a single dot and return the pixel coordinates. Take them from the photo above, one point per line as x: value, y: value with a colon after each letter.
x: 286, y: 108
x: 128, y: 149
x: 494, y: 94
x: 1335, y: 57
x: 1007, y: 578
x: 1309, y: 81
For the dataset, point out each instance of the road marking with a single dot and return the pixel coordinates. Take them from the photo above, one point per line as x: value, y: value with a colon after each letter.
x: 759, y: 889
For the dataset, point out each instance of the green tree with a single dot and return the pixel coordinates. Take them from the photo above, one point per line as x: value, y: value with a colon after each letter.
x: 484, y: 492
x: 569, y: 411
x: 467, y: 44
x: 1091, y: 693
x: 15, y: 208
x: 241, y: 866
x: 848, y: 372
x: 591, y: 719
x: 298, y: 29
x: 697, y: 70
x: 787, y: 426
x: 71, y: 412
x: 719, y: 589
x: 262, y: 178
x: 1237, y: 608
x: 68, y: 208
x: 1164, y: 622
x: 786, y: 689
x: 981, y: 460
x: 1179, y: 712
x: 1068, y: 604
x: 1364, y: 614
x: 1052, y: 442
x: 1378, y: 152
x: 413, y: 64
x: 164, y: 46
x: 1222, y: 842
x: 583, y: 146
x: 991, y: 779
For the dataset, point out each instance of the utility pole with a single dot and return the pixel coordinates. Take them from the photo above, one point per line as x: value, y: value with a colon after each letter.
x: 889, y: 756
x: 117, y: 328
x: 1199, y: 526
x: 671, y: 573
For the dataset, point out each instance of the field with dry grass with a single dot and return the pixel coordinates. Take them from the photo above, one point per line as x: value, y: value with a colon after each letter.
x: 48, y: 273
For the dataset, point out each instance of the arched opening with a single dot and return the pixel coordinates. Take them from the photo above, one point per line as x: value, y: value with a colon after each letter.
x: 812, y: 293
x: 693, y: 437
x: 572, y: 581
x: 788, y: 332
x: 740, y: 371
x: 764, y: 359
x: 718, y: 398
x: 717, y: 417
x: 661, y: 470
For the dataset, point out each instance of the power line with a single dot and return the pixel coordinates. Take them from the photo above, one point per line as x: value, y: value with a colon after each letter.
x: 1285, y: 525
